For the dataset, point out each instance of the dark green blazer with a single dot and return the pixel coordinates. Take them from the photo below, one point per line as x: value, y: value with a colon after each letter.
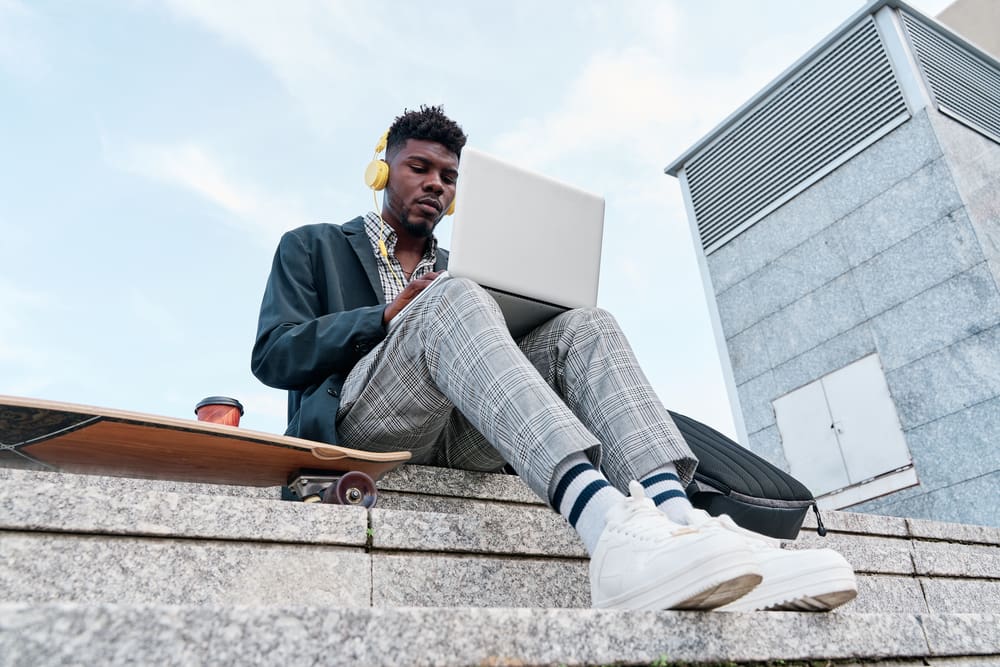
x: 322, y: 311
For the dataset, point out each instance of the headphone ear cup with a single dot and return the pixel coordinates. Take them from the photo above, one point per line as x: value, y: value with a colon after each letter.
x: 377, y: 174
x: 451, y: 208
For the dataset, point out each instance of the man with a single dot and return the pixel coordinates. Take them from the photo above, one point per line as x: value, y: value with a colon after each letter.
x: 566, y: 406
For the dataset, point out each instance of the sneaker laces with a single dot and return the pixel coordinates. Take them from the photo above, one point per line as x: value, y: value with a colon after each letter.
x: 637, y: 506
x: 700, y: 518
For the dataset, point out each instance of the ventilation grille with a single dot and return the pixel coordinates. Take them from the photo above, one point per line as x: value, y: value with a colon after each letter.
x: 844, y: 96
x: 964, y: 85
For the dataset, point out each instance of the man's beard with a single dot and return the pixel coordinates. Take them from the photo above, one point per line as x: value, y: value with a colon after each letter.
x: 420, y: 230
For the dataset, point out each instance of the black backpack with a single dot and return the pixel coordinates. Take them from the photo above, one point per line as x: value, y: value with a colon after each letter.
x: 733, y: 480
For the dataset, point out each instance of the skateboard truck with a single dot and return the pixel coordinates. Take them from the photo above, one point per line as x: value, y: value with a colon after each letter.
x: 349, y: 488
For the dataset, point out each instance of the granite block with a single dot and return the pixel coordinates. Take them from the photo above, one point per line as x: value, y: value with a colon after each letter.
x: 430, y: 480
x: 120, y: 486
x: 488, y: 530
x: 748, y: 353
x: 814, y: 319
x: 961, y: 596
x: 953, y: 532
x: 962, y: 634
x: 29, y: 503
x: 766, y: 444
x: 828, y: 356
x: 862, y: 524
x: 929, y: 257
x: 975, y: 163
x: 167, y: 635
x: 962, y: 306
x: 416, y: 580
x: 949, y: 380
x: 875, y: 555
x: 971, y: 502
x: 738, y: 307
x: 967, y: 440
x: 884, y: 504
x: 803, y: 269
x: 892, y: 160
x: 415, y: 502
x: 756, y: 396
x: 956, y: 560
x: 887, y: 595
x: 725, y: 264
x: 40, y: 567
x: 899, y: 212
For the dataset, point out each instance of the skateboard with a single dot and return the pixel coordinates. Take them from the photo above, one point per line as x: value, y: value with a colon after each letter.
x: 46, y: 435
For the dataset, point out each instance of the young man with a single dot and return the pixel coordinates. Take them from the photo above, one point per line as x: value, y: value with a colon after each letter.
x: 567, y: 406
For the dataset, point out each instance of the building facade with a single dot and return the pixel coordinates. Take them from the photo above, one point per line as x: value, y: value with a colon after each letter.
x: 847, y: 222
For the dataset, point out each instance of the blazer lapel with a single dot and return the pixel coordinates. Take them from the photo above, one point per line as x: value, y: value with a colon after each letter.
x: 355, y: 232
x: 442, y: 259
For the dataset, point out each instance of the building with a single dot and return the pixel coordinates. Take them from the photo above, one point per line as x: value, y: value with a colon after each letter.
x: 847, y: 223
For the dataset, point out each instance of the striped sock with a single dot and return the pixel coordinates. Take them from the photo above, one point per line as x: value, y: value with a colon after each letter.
x: 665, y: 488
x: 583, y: 496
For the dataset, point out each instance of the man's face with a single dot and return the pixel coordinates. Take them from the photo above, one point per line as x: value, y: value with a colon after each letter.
x: 422, y: 176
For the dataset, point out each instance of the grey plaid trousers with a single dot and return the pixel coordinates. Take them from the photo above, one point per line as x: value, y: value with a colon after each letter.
x: 452, y: 386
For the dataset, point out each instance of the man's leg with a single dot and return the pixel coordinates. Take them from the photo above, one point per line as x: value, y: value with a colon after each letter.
x: 586, y: 358
x: 453, y: 351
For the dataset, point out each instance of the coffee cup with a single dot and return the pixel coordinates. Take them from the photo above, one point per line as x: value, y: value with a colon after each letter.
x: 219, y: 410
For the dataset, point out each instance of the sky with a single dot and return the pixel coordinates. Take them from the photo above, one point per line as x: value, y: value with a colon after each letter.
x: 152, y: 152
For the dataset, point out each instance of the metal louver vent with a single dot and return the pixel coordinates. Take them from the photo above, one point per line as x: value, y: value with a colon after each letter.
x: 837, y: 101
x: 965, y: 86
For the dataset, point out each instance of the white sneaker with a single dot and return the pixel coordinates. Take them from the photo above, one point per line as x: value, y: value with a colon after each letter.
x: 794, y: 579
x: 645, y: 561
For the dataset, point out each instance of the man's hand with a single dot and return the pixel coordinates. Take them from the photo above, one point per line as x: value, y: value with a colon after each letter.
x: 409, y: 293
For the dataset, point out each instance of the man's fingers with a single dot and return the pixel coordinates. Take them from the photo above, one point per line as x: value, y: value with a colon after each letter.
x: 410, y: 292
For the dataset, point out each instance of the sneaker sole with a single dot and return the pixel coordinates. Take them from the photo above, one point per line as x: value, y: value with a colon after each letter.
x: 721, y: 594
x: 792, y: 595
x: 721, y: 580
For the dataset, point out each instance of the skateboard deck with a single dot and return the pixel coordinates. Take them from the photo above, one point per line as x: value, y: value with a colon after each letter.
x: 45, y: 435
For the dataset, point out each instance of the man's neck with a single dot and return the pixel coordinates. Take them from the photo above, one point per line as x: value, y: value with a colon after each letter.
x: 406, y: 243
x: 410, y: 245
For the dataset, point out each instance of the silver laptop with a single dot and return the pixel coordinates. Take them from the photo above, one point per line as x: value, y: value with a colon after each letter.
x: 532, y: 242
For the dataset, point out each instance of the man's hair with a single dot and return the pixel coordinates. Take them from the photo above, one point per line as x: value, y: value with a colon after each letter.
x: 428, y: 124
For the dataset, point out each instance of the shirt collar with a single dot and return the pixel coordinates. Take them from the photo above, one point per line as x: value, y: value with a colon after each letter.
x: 373, y: 226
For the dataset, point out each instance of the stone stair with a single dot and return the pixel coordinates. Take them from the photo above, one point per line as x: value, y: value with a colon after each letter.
x: 451, y: 568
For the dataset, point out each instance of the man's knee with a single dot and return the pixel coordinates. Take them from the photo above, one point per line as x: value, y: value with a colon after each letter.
x: 596, y: 319
x: 466, y: 297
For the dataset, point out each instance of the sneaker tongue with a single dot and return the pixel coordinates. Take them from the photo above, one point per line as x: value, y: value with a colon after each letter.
x: 636, y: 491
x: 637, y: 495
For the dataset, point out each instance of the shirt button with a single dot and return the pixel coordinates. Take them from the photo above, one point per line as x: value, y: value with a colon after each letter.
x: 331, y: 391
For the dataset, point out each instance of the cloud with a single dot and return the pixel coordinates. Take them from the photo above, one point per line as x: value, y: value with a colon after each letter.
x: 310, y: 46
x: 195, y: 168
x: 20, y: 50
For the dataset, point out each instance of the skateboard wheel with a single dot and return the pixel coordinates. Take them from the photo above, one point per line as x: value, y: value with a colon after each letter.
x: 353, y: 488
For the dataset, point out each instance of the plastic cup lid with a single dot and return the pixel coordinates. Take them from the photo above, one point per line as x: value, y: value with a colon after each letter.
x: 218, y: 400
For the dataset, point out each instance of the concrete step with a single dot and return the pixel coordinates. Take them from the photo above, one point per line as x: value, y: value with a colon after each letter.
x: 468, y: 562
x: 491, y: 546
x: 68, y: 633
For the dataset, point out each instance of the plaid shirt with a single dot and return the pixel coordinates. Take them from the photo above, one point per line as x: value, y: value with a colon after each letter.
x: 390, y: 271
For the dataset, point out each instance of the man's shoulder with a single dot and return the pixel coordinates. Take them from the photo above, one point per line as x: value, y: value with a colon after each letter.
x: 329, y: 230
x: 324, y: 233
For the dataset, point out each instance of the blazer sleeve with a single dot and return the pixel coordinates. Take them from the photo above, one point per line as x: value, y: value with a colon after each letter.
x: 305, y: 334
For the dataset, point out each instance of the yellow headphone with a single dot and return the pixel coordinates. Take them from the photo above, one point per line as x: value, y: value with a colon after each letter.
x: 377, y: 171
